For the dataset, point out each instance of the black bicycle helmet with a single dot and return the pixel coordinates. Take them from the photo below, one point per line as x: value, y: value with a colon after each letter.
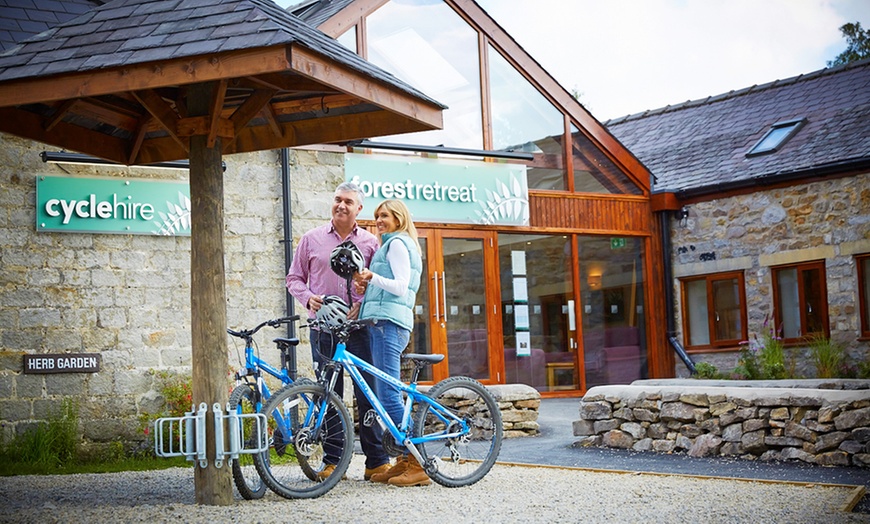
x: 346, y: 260
x: 333, y: 312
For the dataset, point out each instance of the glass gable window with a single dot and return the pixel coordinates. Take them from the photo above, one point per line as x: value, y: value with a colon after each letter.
x: 800, y: 300
x: 523, y: 120
x: 426, y: 44
x: 714, y: 310
x: 594, y: 172
x: 776, y: 137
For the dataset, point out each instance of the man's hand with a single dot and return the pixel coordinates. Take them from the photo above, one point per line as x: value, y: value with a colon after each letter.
x: 315, y: 302
x: 354, y: 311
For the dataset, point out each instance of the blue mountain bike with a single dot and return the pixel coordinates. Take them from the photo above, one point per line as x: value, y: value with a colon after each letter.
x: 249, y: 395
x: 454, y: 429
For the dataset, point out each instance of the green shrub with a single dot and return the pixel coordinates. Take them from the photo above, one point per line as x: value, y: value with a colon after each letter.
x: 705, y: 370
x: 50, y: 444
x: 828, y: 357
x: 762, y: 358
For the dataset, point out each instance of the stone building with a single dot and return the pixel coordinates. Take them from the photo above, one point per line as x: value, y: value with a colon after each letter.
x: 769, y: 188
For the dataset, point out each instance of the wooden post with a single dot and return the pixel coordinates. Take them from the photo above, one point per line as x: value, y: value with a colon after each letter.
x: 208, y: 295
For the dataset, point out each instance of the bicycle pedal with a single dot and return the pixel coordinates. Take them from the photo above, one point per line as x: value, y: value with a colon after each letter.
x: 370, y: 418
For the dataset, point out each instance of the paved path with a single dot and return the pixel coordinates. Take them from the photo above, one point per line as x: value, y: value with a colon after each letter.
x: 554, y: 447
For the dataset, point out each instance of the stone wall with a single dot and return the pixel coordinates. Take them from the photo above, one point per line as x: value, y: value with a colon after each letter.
x: 825, y: 427
x: 127, y: 297
x: 519, y: 405
x: 823, y: 220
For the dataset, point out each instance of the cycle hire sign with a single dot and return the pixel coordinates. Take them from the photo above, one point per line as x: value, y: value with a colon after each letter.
x: 445, y: 190
x: 112, y: 205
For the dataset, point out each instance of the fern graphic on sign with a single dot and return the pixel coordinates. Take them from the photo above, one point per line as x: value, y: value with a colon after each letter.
x: 505, y: 203
x: 177, y: 220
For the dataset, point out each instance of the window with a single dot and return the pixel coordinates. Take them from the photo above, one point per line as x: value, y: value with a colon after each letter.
x: 776, y: 137
x: 863, y: 262
x: 714, y: 310
x: 800, y: 302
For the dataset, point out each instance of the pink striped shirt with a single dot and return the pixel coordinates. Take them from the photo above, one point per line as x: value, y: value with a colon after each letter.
x: 310, y: 273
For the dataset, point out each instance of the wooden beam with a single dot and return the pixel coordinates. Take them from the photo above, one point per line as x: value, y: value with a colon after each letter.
x: 67, y: 136
x: 315, y: 104
x: 251, y: 107
x: 162, y: 113
x: 205, y: 125
x: 138, y: 138
x: 268, y: 113
x: 61, y: 111
x: 347, y: 80
x: 214, y: 112
x: 173, y: 72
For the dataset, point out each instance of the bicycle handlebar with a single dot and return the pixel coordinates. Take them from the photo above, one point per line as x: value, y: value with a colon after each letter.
x: 245, y: 333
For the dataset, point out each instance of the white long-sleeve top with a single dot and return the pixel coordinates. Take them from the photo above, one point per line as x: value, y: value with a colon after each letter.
x: 400, y: 264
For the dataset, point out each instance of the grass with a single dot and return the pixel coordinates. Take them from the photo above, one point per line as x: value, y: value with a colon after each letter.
x: 52, y: 448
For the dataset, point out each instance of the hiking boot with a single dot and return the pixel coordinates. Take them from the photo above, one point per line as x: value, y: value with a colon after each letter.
x: 383, y: 468
x: 414, y: 475
x: 326, y: 472
x: 399, y: 468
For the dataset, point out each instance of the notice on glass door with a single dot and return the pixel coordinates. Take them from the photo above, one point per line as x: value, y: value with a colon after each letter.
x: 524, y: 344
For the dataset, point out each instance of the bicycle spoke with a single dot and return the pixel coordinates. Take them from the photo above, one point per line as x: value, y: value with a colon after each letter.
x: 467, y: 449
x: 305, y: 459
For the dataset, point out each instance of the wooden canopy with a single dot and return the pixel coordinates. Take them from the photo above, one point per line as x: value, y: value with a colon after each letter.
x: 114, y: 83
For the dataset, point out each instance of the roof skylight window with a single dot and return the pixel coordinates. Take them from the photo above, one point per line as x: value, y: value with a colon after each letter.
x: 776, y: 137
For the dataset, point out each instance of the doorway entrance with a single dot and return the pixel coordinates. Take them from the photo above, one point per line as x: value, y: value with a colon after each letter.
x: 457, y: 305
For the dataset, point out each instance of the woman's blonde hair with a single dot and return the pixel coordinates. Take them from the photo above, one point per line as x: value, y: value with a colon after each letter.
x: 403, y: 218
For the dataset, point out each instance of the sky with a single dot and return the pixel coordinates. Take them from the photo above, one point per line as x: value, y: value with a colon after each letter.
x: 627, y: 56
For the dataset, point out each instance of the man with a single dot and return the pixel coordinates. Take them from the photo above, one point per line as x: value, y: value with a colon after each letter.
x: 310, y: 278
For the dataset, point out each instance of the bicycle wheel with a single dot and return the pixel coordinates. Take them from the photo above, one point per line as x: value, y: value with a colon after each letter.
x: 464, y: 459
x: 243, y: 399
x: 299, y: 449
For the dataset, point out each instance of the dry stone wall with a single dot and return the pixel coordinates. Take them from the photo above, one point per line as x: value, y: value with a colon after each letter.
x: 825, y: 427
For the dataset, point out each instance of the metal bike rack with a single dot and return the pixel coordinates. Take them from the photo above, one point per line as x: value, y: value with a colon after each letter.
x: 189, y: 433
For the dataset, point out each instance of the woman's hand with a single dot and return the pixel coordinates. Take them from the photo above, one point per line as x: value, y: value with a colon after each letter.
x: 361, y: 281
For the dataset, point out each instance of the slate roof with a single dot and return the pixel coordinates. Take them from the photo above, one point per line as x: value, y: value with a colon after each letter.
x: 128, y: 32
x: 315, y: 12
x: 701, y: 145
x: 20, y: 19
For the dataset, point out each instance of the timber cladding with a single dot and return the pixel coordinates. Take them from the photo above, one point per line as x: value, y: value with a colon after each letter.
x: 628, y: 215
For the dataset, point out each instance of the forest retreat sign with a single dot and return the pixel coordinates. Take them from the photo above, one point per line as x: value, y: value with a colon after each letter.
x: 112, y: 205
x: 445, y: 190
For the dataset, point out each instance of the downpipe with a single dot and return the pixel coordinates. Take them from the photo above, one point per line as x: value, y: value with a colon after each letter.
x: 288, y: 253
x: 669, y: 293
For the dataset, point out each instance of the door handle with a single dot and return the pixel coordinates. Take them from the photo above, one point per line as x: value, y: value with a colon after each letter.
x: 437, y: 308
x: 444, y: 292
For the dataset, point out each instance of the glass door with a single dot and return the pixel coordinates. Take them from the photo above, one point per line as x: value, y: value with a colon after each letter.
x: 459, y: 304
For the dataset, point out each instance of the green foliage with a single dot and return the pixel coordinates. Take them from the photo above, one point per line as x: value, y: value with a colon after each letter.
x: 829, y: 357
x: 762, y: 358
x: 857, y: 45
x: 47, y: 445
x: 705, y: 370
x: 177, y: 393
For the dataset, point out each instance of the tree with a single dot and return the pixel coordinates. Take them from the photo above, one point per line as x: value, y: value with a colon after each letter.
x: 858, y: 47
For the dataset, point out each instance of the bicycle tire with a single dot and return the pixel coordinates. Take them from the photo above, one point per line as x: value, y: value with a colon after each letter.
x: 460, y: 461
x: 250, y: 485
x: 287, y: 411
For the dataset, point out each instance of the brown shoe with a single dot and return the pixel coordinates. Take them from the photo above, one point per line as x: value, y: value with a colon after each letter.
x: 326, y: 472
x: 399, y: 468
x: 383, y: 468
x: 413, y: 476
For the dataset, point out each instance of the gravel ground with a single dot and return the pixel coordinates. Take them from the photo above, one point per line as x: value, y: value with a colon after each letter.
x: 508, y: 494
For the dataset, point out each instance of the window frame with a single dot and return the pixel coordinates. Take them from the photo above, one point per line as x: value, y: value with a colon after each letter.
x: 863, y: 303
x: 794, y: 126
x: 710, y: 279
x: 777, y: 309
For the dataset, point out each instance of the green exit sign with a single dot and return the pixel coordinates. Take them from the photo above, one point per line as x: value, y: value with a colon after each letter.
x: 617, y: 242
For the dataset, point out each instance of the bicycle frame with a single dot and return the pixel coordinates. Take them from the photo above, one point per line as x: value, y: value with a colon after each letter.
x: 354, y: 364
x: 254, y: 365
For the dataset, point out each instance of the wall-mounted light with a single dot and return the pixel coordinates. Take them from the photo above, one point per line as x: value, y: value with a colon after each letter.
x: 62, y: 157
x: 594, y: 281
x: 683, y: 215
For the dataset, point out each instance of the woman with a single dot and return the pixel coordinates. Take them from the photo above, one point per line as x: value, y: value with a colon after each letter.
x: 391, y: 284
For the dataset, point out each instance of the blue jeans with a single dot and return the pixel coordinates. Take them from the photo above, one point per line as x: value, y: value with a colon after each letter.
x: 371, y: 437
x: 388, y: 342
